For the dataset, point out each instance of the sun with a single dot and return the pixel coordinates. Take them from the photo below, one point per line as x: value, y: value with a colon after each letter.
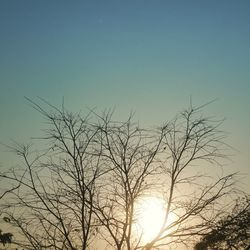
x: 150, y: 214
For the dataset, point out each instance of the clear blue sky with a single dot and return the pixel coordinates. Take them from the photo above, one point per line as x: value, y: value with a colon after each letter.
x: 149, y: 56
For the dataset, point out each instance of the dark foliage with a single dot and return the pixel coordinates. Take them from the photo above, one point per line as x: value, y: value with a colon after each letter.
x: 5, y: 238
x: 232, y: 232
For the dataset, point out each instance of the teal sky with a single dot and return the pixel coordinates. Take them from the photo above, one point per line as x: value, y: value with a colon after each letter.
x: 148, y: 56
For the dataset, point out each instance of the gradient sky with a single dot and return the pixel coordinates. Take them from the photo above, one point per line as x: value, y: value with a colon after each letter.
x: 148, y: 56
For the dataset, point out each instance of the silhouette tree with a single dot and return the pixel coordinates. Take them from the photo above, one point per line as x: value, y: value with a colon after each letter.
x: 83, y: 183
x: 6, y: 238
x: 231, y: 232
x: 54, y: 201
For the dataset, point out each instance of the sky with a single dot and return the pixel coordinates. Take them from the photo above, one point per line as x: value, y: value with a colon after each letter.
x: 147, y: 56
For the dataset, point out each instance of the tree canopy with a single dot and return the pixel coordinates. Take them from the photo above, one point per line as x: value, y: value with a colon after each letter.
x: 230, y: 232
x: 83, y: 184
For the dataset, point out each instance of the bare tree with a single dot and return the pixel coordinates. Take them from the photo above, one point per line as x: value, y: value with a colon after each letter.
x: 190, y: 142
x: 131, y: 156
x: 84, y: 186
x: 53, y: 206
x: 162, y: 160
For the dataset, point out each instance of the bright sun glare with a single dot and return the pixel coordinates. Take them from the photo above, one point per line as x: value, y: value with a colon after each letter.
x: 150, y: 217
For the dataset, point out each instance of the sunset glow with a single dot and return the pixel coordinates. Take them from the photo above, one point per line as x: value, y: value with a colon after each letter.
x: 150, y: 218
x: 124, y: 124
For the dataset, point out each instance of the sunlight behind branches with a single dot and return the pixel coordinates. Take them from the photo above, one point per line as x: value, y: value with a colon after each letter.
x: 150, y: 217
